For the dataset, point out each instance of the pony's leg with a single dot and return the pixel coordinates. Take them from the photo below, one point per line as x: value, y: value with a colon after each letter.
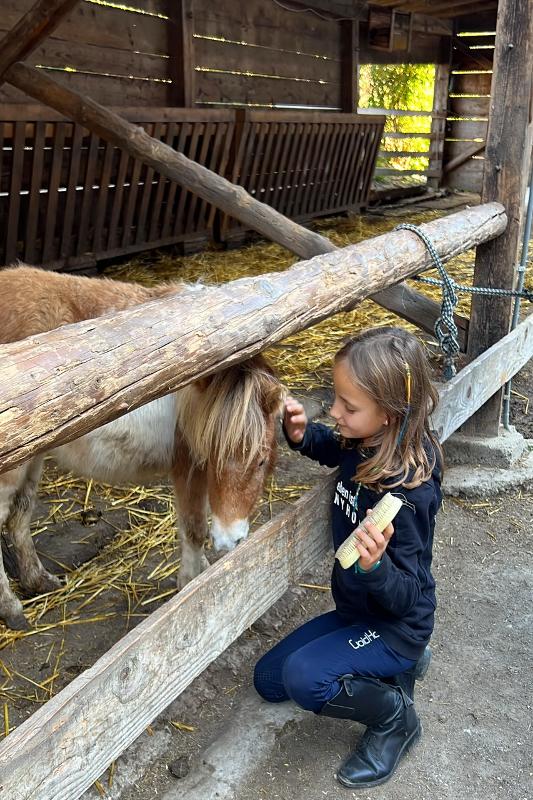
x: 34, y: 578
x: 10, y: 606
x: 190, y: 486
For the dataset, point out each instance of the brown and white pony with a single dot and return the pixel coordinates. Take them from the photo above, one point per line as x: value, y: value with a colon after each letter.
x: 215, y: 438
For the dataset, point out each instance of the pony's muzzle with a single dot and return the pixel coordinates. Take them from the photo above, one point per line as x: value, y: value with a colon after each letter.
x: 226, y: 537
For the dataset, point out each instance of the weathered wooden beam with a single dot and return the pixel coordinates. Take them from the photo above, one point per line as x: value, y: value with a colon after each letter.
x: 504, y: 179
x: 349, y: 65
x: 214, y: 188
x: 65, y: 745
x: 58, y: 385
x: 32, y: 28
x: 464, y: 394
x: 473, y: 150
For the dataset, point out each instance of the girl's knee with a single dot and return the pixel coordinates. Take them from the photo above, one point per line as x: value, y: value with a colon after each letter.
x: 267, y: 683
x: 303, y: 685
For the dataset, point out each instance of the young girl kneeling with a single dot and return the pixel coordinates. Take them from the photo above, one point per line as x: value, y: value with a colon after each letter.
x: 360, y: 661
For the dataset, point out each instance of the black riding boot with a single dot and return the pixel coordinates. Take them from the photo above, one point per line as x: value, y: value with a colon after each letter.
x: 392, y: 726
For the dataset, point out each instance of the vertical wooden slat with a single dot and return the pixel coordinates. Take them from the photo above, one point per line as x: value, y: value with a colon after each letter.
x: 88, y: 194
x: 185, y: 194
x: 340, y: 147
x: 309, y: 204
x: 296, y: 178
x: 327, y: 157
x: 303, y: 170
x: 66, y: 248
x: 118, y: 194
x: 140, y: 236
x: 130, y: 203
x: 370, y: 160
x: 103, y: 192
x: 354, y: 183
x: 182, y: 136
x: 32, y: 254
x: 369, y: 144
x: 280, y: 189
x: 265, y: 166
x: 205, y: 210
x: 161, y: 183
x: 58, y: 152
x: 4, y: 202
x: 346, y: 166
x: 191, y: 222
x: 274, y: 164
x: 181, y: 52
x: 19, y: 138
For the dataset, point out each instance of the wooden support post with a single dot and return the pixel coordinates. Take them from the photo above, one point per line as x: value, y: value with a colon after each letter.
x: 31, y: 30
x: 349, y: 65
x: 504, y: 179
x: 208, y: 185
x: 438, y: 122
x: 73, y: 370
x: 181, y: 51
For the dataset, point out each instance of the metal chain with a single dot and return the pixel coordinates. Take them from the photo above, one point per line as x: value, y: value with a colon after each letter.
x: 445, y: 327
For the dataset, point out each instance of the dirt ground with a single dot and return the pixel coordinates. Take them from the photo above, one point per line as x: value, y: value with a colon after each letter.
x: 475, y: 702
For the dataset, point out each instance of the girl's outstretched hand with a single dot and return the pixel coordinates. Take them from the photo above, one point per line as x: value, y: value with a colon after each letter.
x: 294, y: 420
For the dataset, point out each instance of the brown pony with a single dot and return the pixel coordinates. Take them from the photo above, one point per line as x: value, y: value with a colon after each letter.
x: 215, y: 438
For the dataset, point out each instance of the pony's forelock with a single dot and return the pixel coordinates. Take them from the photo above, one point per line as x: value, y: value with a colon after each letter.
x: 226, y: 418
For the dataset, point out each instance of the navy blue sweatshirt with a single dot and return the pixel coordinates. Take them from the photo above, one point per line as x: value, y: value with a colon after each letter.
x: 398, y: 597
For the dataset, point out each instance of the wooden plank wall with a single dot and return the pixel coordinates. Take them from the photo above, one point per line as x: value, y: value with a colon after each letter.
x: 469, y: 99
x: 257, y: 53
x: 115, y: 55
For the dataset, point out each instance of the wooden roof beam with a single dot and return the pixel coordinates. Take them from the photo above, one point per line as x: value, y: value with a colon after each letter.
x: 31, y: 30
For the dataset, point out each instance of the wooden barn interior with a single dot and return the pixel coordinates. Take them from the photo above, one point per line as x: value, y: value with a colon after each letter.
x: 126, y: 127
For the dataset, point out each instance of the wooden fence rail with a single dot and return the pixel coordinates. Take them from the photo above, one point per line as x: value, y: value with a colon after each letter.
x: 69, y: 199
x: 58, y: 385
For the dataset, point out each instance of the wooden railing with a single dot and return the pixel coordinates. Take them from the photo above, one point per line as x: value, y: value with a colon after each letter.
x: 69, y: 199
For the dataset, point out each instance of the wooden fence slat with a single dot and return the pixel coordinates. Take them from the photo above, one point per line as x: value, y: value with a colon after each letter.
x: 58, y: 153
x: 101, y: 204
x: 19, y: 140
x: 183, y: 129
x: 155, y: 131
x: 155, y: 211
x: 130, y: 203
x: 117, y: 206
x: 32, y: 254
x: 70, y: 199
x: 87, y: 200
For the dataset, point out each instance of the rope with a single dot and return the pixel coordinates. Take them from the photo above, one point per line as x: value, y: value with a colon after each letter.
x: 445, y: 327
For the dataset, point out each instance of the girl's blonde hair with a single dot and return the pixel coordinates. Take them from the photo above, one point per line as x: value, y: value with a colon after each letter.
x: 391, y: 366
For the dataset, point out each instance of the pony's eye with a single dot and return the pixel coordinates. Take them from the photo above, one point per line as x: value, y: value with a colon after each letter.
x: 261, y: 463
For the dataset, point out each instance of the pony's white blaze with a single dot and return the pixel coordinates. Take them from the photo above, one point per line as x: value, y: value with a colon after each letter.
x: 136, y: 447
x: 225, y: 537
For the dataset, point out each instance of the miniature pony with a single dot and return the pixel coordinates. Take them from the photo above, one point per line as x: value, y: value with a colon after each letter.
x: 215, y: 437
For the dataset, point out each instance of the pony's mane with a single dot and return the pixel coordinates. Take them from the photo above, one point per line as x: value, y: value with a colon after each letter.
x: 226, y: 417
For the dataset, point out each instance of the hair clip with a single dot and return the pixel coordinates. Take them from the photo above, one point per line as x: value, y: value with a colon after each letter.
x: 408, y: 407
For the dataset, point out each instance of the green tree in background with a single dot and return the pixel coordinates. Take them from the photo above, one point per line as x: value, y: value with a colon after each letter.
x: 406, y: 87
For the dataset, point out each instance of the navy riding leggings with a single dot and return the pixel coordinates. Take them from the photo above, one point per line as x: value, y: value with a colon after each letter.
x: 308, y: 664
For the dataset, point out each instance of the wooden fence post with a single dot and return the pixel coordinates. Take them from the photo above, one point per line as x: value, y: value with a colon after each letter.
x: 349, y: 66
x: 181, y: 51
x: 504, y: 179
